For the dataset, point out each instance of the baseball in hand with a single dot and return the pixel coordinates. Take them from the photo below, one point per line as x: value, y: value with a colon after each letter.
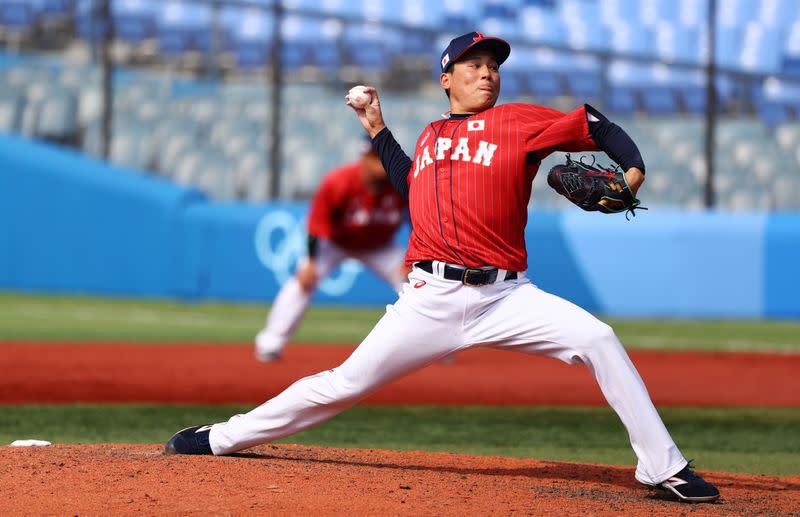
x: 358, y: 98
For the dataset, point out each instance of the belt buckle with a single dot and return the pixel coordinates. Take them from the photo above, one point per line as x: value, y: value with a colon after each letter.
x: 466, y: 274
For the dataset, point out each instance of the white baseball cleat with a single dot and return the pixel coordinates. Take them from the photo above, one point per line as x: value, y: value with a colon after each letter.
x: 266, y: 350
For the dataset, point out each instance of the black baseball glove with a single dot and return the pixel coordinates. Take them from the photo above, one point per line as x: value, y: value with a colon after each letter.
x: 586, y: 184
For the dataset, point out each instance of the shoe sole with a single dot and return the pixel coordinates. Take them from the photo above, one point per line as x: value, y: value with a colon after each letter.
x: 268, y: 358
x: 682, y: 498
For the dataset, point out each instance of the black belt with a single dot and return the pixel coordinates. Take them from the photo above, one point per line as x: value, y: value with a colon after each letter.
x: 467, y: 275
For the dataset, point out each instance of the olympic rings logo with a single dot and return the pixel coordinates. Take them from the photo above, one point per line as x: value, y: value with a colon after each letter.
x: 280, y: 240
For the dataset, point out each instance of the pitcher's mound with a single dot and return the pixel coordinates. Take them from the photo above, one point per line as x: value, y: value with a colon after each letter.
x: 302, y: 480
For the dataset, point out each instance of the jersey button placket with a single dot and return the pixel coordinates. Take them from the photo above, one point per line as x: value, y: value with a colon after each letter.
x: 443, y: 182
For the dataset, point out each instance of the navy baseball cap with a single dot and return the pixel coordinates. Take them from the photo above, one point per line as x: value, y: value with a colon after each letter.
x: 458, y: 46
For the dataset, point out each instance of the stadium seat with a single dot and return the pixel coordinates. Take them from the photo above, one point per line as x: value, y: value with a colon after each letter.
x: 736, y: 13
x: 182, y: 27
x: 132, y: 147
x: 89, y: 25
x: 17, y: 15
x: 12, y: 106
x: 658, y: 100
x: 134, y: 20
x: 367, y: 46
x: 674, y: 43
x: 728, y: 46
x: 57, y: 118
x: 542, y: 26
x: 458, y: 16
x: 761, y: 49
x: 248, y: 34
x: 621, y: 101
x: 326, y: 53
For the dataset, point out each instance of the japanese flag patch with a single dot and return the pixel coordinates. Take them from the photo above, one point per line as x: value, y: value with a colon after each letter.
x: 475, y: 125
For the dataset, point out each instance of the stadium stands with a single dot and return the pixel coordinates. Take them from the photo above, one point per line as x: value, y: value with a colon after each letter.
x: 640, y: 61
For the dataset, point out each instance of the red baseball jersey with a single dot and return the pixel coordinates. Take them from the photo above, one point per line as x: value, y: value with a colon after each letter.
x: 345, y: 211
x: 471, y: 180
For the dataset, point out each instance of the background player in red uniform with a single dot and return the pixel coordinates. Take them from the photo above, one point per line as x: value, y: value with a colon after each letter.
x: 355, y: 213
x: 468, y: 185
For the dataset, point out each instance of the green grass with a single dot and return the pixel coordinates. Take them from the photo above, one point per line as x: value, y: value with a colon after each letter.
x: 761, y: 441
x: 25, y: 316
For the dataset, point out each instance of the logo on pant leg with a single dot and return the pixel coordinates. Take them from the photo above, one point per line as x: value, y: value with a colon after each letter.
x: 419, y: 284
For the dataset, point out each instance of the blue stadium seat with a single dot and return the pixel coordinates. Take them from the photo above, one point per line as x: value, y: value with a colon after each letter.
x: 507, y: 9
x: 779, y: 14
x: 248, y: 34
x: 12, y: 106
x: 418, y: 13
x: 538, y: 25
x: 583, y: 35
x: 55, y: 8
x: 655, y: 12
x: 506, y: 28
x: 773, y: 114
x: 134, y: 20
x: 761, y: 49
x: 621, y: 101
x: 182, y: 26
x: 17, y: 15
x: 632, y: 39
x: 367, y: 46
x: 511, y: 87
x: 310, y: 41
x: 545, y: 84
x: 692, y: 13
x: 693, y: 99
x: 57, y: 118
x: 728, y: 46
x: 659, y: 100
x: 676, y: 43
x: 459, y: 16
x: 325, y: 51
x: 736, y: 13
x: 89, y: 25
x: 619, y: 13
x: 584, y: 85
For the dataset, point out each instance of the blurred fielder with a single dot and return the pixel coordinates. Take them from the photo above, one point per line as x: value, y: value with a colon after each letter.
x: 355, y: 213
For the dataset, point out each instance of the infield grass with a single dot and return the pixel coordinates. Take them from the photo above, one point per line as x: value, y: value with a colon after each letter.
x: 73, y: 318
x: 756, y: 441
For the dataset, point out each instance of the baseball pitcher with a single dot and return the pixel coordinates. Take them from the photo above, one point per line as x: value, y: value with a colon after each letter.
x: 468, y: 186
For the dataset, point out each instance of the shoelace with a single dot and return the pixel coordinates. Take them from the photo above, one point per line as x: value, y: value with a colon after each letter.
x: 691, y: 475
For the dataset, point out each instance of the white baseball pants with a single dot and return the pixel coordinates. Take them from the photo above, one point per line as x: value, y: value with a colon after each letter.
x: 292, y: 301
x: 435, y: 317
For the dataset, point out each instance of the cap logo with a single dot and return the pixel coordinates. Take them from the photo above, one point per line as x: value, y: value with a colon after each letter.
x: 445, y: 60
x: 479, y: 36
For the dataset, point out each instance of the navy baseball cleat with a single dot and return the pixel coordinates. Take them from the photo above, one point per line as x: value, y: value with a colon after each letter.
x: 192, y: 440
x: 688, y: 487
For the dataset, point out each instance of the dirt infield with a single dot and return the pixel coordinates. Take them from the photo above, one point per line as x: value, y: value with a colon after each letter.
x: 300, y: 480
x: 108, y: 372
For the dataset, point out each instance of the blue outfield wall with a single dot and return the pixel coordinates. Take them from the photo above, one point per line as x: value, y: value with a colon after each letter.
x: 71, y: 224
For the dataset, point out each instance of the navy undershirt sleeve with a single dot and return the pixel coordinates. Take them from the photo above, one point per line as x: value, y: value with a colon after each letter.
x: 394, y: 160
x: 614, y: 141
